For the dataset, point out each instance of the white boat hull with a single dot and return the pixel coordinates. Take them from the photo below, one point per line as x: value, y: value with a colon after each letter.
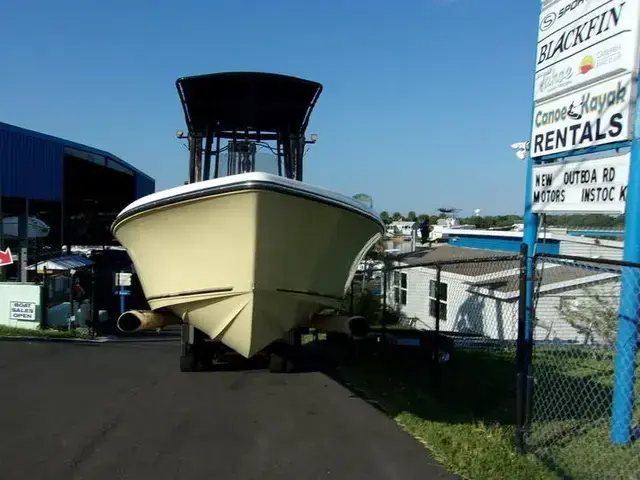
x: 246, y: 259
x: 36, y: 228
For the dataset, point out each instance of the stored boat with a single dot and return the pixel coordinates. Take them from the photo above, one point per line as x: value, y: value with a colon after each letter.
x: 36, y: 228
x: 245, y: 257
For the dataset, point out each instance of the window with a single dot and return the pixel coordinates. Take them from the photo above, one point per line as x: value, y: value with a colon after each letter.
x: 433, y: 301
x: 400, y: 288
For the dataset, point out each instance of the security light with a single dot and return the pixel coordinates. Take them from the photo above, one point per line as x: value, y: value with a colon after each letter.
x: 179, y: 134
x: 522, y: 149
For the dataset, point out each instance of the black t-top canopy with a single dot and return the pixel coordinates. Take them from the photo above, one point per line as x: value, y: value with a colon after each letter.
x: 224, y: 103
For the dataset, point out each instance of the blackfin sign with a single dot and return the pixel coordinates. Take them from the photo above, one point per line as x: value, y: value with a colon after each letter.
x: 581, y: 42
x: 596, y: 115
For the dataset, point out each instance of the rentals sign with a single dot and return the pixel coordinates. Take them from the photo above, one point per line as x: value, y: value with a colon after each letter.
x: 587, y: 186
x: 597, y: 115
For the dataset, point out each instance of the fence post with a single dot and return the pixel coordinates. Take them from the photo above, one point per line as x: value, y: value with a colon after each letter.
x: 627, y: 338
x: 385, y: 281
x: 93, y: 312
x: 351, y: 307
x: 530, y: 317
x: 44, y: 298
x: 521, y: 367
x: 436, y: 350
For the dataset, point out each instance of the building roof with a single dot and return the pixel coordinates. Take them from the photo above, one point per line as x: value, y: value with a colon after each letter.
x: 550, y: 234
x: 548, y: 276
x: 68, y: 143
x: 64, y: 263
x: 474, y: 262
x: 462, y: 261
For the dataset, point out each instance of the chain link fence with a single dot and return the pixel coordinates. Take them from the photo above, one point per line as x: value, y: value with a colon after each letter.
x: 463, y: 306
x: 584, y: 422
x: 579, y: 411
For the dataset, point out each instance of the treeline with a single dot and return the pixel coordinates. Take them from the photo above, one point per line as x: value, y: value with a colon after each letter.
x: 501, y: 221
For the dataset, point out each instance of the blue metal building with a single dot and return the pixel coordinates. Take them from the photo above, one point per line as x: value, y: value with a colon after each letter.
x: 75, y: 189
x: 32, y: 164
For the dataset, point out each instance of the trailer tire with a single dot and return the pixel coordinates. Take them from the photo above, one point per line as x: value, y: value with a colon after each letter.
x: 278, y: 363
x: 188, y: 363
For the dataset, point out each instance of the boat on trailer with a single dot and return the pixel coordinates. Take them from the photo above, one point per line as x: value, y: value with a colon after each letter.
x: 240, y: 257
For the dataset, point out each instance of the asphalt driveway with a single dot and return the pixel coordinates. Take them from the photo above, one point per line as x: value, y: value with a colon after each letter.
x: 124, y: 411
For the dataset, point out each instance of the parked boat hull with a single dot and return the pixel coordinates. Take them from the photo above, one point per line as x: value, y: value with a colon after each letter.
x: 247, y: 265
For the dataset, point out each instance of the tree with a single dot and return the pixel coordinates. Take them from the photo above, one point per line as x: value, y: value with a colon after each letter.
x: 593, y: 315
x: 411, y: 216
x: 384, y: 215
x: 397, y: 217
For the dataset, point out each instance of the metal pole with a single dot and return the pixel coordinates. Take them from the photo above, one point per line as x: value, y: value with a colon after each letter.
x: 207, y: 156
x: 530, y: 235
x: 93, y: 312
x: 216, y: 168
x: 198, y: 158
x: 122, y: 304
x: 627, y: 341
x: 192, y: 159
x: 45, y: 302
x: 385, y: 279
x: 70, y: 299
x: 279, y: 147
x: 23, y: 233
x: 437, y: 312
x: 521, y: 375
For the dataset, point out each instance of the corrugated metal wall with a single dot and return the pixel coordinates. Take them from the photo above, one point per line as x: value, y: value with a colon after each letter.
x: 501, y: 244
x: 144, y: 186
x: 577, y: 249
x: 30, y: 167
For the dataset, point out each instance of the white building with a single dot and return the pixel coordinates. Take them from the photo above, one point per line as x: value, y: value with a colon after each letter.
x: 482, y: 298
x: 403, y: 228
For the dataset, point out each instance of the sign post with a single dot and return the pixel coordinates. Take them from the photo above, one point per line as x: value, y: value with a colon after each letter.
x: 627, y: 341
x: 586, y: 83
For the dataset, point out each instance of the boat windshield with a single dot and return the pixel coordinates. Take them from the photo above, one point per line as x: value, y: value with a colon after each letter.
x: 248, y: 156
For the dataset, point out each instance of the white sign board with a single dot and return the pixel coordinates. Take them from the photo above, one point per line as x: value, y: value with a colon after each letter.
x: 596, y: 115
x: 123, y: 279
x: 587, y: 186
x: 581, y: 42
x: 24, y: 311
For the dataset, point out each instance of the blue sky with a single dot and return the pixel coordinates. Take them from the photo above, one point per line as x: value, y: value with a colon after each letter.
x: 421, y: 99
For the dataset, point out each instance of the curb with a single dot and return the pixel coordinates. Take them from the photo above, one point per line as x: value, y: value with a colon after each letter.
x: 25, y: 338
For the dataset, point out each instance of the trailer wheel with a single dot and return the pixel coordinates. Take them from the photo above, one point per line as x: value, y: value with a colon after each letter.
x: 188, y: 362
x: 281, y: 357
x: 277, y: 363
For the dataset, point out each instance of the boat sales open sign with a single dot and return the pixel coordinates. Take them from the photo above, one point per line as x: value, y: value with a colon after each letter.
x: 582, y: 186
x: 586, y: 62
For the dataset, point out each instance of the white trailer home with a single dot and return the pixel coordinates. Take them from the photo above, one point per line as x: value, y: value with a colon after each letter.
x: 481, y: 298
